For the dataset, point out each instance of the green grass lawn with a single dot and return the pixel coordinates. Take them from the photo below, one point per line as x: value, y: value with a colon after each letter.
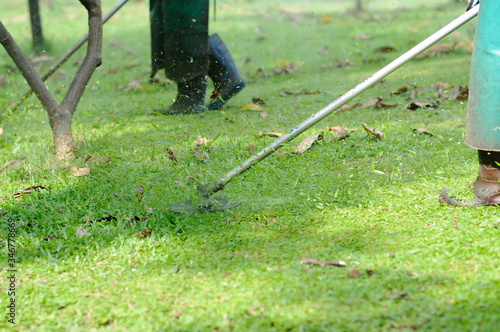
x: 411, y: 263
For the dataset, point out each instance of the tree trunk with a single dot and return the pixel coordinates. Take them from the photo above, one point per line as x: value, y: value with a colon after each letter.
x: 359, y: 5
x: 36, y: 26
x: 60, y: 116
x: 60, y: 124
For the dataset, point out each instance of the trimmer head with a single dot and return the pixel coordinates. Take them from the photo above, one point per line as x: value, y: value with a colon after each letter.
x: 210, y: 204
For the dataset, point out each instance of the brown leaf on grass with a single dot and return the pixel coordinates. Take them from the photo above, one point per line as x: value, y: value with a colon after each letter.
x: 299, y: 92
x: 134, y: 219
x: 132, y: 85
x: 414, y: 94
x: 442, y: 85
x: 148, y: 209
x: 201, y: 141
x: 370, y: 272
x: 423, y: 131
x: 144, y: 234
x: 339, y: 133
x: 420, y: 104
x: 460, y: 93
x: 363, y: 37
x: 400, y: 90
x: 14, y: 164
x: 157, y: 80
x: 140, y: 193
x: 373, y: 131
x: 376, y: 103
x: 264, y: 114
x: 200, y: 153
x: 323, y: 263
x: 108, y: 218
x: 172, y: 156
x: 75, y: 171
x: 398, y: 295
x: 228, y: 119
x: 48, y: 238
x: 307, y: 143
x: 435, y: 50
x: 82, y: 232
x: 325, y: 19
x: 290, y: 68
x: 28, y: 190
x: 271, y: 135
x: 251, y: 107
x: 217, y: 90
x: 339, y: 64
x: 384, y: 49
x: 354, y: 274
x: 258, y: 101
x: 251, y: 148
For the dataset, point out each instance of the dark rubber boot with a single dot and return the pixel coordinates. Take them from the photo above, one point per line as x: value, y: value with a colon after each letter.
x: 190, y: 97
x: 222, y: 67
x: 486, y: 188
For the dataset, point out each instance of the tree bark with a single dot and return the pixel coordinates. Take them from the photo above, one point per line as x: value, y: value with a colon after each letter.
x: 60, y: 116
x: 359, y: 5
x: 36, y: 26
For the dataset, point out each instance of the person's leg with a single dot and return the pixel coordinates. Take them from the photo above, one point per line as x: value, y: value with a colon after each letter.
x: 483, y: 113
x: 223, y: 70
x: 179, y: 30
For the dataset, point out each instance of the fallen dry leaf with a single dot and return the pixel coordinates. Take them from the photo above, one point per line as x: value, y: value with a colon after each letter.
x: 460, y: 93
x: 354, y: 274
x: 376, y: 103
x: 148, y: 209
x: 258, y: 101
x: 201, y: 141
x: 373, y: 131
x: 307, y: 143
x: 228, y: 119
x: 108, y: 218
x: 299, y: 92
x: 322, y: 263
x: 75, y: 171
x: 271, y: 135
x: 363, y: 37
x: 250, y: 107
x: 144, y: 234
x: 325, y: 19
x: 132, y: 85
x: 48, y: 238
x: 135, y: 219
x: 399, y: 295
x: 384, y: 49
x: 400, y: 90
x: 339, y: 133
x: 435, y: 50
x: 28, y: 190
x: 423, y: 131
x: 81, y: 232
x: 200, y: 151
x: 264, y: 114
x: 420, y: 104
x: 370, y: 272
x: 217, y: 90
x: 140, y: 193
x: 171, y: 155
x: 442, y: 85
x: 251, y: 148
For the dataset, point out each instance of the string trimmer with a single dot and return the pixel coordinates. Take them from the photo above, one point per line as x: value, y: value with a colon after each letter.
x: 207, y: 203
